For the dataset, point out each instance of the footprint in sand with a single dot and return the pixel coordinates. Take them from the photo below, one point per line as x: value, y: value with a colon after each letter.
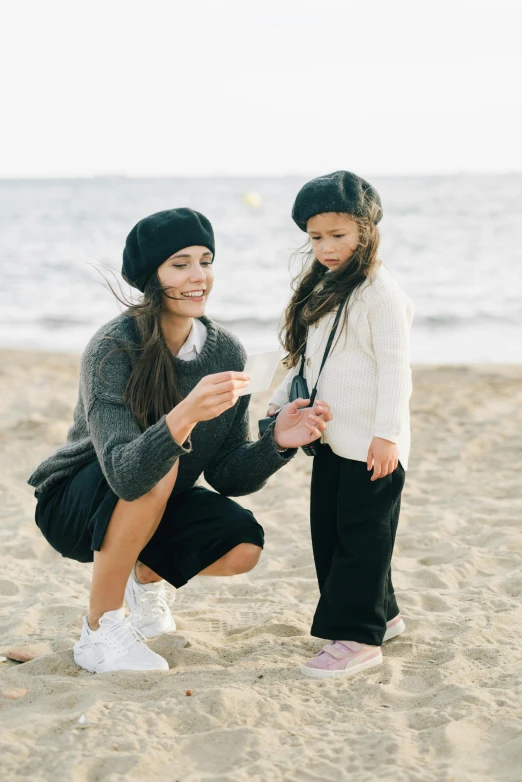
x: 60, y: 616
x: 444, y: 558
x: 114, y: 766
x: 8, y: 588
x: 280, y: 630
x: 427, y: 579
x: 25, y: 550
x: 435, y: 603
x: 512, y: 586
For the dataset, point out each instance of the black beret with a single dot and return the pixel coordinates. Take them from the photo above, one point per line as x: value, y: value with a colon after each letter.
x: 341, y: 191
x: 157, y: 237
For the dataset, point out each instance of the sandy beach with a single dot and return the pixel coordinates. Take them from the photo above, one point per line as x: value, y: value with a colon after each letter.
x: 444, y: 706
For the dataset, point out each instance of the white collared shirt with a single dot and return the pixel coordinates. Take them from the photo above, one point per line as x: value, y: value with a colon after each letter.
x: 194, y: 342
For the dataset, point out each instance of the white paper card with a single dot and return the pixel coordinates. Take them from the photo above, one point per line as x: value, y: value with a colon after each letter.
x: 261, y: 367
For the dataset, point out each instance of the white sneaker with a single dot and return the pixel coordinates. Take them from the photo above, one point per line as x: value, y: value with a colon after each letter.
x: 149, y: 610
x: 115, y: 646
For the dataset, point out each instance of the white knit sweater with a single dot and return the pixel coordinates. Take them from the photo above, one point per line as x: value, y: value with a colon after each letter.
x: 367, y: 377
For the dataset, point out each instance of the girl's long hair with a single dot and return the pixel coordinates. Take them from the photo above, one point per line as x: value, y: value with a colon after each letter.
x: 151, y: 390
x: 318, y: 292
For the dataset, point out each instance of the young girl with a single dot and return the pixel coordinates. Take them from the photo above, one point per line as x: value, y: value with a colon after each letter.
x: 358, y: 471
x: 159, y: 405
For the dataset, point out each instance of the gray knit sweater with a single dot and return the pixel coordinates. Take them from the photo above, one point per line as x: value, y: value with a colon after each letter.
x: 133, y: 461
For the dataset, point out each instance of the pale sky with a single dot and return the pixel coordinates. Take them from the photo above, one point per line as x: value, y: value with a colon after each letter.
x: 164, y: 88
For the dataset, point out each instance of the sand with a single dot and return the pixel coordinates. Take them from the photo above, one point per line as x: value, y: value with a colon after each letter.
x: 444, y: 706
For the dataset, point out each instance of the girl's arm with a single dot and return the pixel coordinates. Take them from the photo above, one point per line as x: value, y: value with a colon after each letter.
x: 390, y: 324
x: 282, y: 395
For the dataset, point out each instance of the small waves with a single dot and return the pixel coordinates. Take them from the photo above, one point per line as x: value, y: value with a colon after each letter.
x: 453, y: 243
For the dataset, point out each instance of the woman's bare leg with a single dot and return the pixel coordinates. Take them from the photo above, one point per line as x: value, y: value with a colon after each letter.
x: 130, y: 528
x: 145, y: 575
x: 238, y: 560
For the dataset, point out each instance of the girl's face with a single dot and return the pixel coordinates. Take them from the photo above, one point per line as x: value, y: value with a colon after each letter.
x: 334, y: 238
x: 188, y: 277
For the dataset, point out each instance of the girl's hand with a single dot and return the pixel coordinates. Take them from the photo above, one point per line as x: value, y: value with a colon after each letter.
x: 322, y: 411
x: 383, y: 456
x: 297, y: 425
x: 209, y: 399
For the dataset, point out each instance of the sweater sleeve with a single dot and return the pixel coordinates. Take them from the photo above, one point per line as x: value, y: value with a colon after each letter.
x: 241, y: 465
x: 132, y: 461
x: 281, y: 396
x: 390, y: 324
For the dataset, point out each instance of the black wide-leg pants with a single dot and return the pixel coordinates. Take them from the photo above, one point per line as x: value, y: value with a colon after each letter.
x: 353, y: 521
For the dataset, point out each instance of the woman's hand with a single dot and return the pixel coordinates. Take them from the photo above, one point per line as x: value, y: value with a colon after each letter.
x: 214, y: 394
x: 272, y: 410
x: 383, y: 456
x: 209, y: 399
x: 298, y: 424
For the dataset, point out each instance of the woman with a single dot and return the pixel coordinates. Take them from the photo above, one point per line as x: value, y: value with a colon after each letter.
x: 158, y: 405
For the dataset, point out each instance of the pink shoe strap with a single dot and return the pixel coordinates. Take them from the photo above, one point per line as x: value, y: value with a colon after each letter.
x: 339, y: 649
x: 334, y: 651
x: 352, y: 646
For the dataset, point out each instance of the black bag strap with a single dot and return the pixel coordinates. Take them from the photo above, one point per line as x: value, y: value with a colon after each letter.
x: 326, y: 352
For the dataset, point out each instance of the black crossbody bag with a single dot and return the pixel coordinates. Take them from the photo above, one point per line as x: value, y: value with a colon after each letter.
x: 299, y: 387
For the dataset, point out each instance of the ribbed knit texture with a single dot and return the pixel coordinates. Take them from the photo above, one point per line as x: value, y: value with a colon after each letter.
x: 367, y: 377
x: 133, y: 461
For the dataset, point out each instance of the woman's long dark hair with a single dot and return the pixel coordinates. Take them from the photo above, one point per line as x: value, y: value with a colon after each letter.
x: 151, y: 390
x: 311, y: 301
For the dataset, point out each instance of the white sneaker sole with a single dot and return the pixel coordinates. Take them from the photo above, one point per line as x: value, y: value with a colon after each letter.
x: 318, y: 673
x: 78, y: 659
x: 105, y: 668
x: 397, y: 629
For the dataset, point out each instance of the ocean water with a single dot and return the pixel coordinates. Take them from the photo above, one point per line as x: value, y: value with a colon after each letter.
x: 454, y: 243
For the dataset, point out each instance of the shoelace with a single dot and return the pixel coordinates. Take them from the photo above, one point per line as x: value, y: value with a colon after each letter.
x: 156, y: 601
x: 123, y: 632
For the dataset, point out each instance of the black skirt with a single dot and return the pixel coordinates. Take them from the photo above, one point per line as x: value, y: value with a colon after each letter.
x: 198, y: 527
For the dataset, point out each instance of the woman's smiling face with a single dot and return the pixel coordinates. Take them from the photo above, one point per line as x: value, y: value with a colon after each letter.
x: 334, y: 238
x: 187, y: 277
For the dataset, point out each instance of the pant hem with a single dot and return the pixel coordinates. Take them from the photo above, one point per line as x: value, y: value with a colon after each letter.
x: 348, y: 635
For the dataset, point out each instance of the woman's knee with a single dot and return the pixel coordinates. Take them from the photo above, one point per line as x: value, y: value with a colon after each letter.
x: 243, y: 558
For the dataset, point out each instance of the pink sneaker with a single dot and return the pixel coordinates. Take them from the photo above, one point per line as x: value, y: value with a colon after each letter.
x: 342, y: 658
x: 394, y: 627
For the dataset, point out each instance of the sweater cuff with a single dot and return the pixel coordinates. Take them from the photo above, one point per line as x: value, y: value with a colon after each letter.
x: 387, y: 436
x: 287, y: 453
x: 165, y: 440
x: 280, y: 398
